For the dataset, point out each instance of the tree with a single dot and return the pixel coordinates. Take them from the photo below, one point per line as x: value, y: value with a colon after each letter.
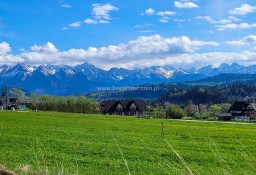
x: 190, y: 108
x: 34, y: 101
x: 214, y: 109
x: 173, y: 111
x: 148, y: 109
x: 18, y: 93
x: 201, y: 108
x: 225, y: 107
x: 159, y: 111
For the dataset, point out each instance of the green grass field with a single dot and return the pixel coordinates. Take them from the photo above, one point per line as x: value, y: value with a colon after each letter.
x: 61, y: 143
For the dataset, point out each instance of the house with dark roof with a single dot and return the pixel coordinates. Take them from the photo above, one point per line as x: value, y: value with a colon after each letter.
x: 241, y: 109
x: 8, y: 103
x: 123, y: 107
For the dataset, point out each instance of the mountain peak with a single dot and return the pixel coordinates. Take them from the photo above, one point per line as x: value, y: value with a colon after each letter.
x: 66, y: 79
x: 4, y: 68
x: 168, y: 67
x: 22, y: 67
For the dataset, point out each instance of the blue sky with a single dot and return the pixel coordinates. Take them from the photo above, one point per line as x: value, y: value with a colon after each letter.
x: 130, y: 34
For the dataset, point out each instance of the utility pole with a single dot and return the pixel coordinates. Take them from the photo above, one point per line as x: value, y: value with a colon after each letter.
x: 6, y: 96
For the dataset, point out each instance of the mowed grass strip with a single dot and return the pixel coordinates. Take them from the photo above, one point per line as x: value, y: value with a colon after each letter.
x: 63, y: 143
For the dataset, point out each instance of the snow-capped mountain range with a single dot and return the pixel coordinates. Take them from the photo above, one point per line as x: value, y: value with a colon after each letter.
x: 64, y: 79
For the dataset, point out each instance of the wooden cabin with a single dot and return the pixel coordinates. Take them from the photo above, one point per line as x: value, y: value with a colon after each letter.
x: 241, y: 110
x: 123, y: 107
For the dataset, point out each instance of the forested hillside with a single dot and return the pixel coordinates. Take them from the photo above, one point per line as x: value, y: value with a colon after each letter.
x: 211, y: 94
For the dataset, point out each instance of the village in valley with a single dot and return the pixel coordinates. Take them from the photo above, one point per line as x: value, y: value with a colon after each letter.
x: 238, y: 111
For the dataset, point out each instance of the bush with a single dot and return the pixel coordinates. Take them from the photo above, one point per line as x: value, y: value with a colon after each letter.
x: 176, y: 112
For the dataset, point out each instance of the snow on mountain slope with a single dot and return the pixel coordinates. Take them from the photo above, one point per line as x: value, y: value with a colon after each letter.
x: 85, y: 77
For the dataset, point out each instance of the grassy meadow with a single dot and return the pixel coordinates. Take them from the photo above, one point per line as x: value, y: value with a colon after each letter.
x: 63, y: 143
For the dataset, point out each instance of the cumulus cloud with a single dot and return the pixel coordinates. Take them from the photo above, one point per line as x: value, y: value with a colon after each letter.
x: 142, y: 49
x: 244, y: 9
x: 6, y: 57
x: 186, y: 5
x: 101, y: 11
x: 164, y: 19
x: 163, y: 14
x: 46, y: 48
x: 209, y: 19
x: 251, y: 39
x: 141, y: 52
x: 4, y: 48
x: 233, y: 26
x: 150, y: 11
x: 10, y: 59
x: 213, y: 58
x: 90, y: 21
x: 76, y: 24
x: 101, y: 14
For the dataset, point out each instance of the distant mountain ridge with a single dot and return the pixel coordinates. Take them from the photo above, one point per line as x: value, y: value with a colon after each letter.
x: 83, y: 78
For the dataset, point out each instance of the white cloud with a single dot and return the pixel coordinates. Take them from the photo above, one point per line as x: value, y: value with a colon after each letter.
x: 144, y: 48
x: 100, y: 14
x: 251, y: 39
x: 143, y: 25
x: 4, y: 48
x: 6, y: 57
x: 233, y: 18
x: 141, y: 52
x: 47, y: 48
x: 185, y: 5
x: 66, y: 6
x: 90, y: 21
x: 75, y: 24
x: 182, y: 20
x: 104, y: 22
x: 233, y: 26
x: 244, y: 9
x: 164, y: 19
x: 165, y: 13
x: 209, y: 19
x: 10, y: 59
x: 150, y: 11
x: 227, y: 24
x: 212, y: 58
x: 100, y: 11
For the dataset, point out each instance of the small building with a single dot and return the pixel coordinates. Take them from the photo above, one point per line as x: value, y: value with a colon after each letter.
x: 241, y: 110
x: 123, y: 107
x: 8, y: 103
x: 224, y: 116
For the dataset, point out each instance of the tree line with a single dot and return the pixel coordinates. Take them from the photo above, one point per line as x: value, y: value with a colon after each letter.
x: 72, y: 104
x: 190, y: 110
x: 225, y: 93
